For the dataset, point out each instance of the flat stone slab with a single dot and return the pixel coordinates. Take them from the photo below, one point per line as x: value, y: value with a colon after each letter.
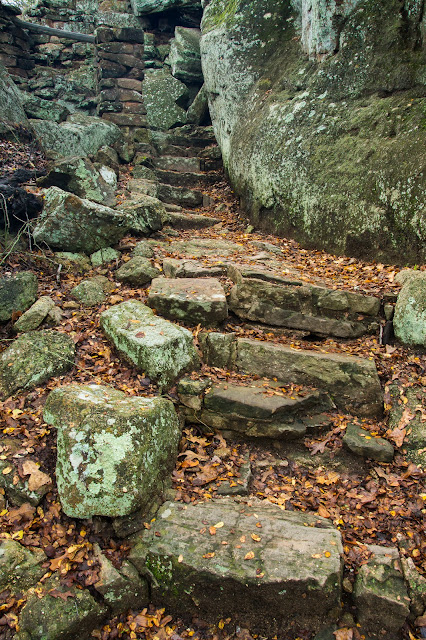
x: 360, y: 442
x: 163, y: 350
x: 258, y: 412
x: 190, y: 220
x: 200, y: 247
x: 285, y: 565
x: 173, y: 268
x: 353, y: 383
x: 192, y: 300
x: 323, y: 311
x: 137, y: 271
x: 113, y: 450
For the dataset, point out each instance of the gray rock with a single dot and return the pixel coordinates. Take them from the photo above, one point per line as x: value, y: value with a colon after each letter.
x: 146, y: 214
x: 192, y: 300
x: 11, y: 108
x: 17, y: 293
x: 33, y: 358
x: 191, y: 269
x: 185, y: 56
x: 142, y: 7
x: 108, y: 157
x: 409, y: 321
x: 104, y: 256
x: 74, y: 224
x: 20, y: 568
x: 292, y: 568
x: 239, y: 485
x: 219, y: 349
x: 360, y: 442
x: 199, y: 109
x: 191, y: 392
x: 163, y: 350
x: 20, y: 488
x: 92, y: 291
x: 114, y: 451
x: 380, y: 593
x: 80, y: 135
x: 352, y: 382
x: 36, y: 107
x: 79, y: 176
x: 35, y: 315
x: 200, y: 247
x: 76, y: 262
x: 51, y: 617
x: 190, y: 220
x: 137, y: 271
x: 416, y: 584
x: 406, y: 409
x: 255, y: 412
x: 138, y: 187
x: 161, y: 92
x: 143, y: 250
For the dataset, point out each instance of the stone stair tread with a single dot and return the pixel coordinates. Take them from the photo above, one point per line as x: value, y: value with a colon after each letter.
x: 177, y: 163
x: 186, y: 179
x: 289, y: 568
x: 179, y: 195
x: 173, y: 268
x: 184, y: 220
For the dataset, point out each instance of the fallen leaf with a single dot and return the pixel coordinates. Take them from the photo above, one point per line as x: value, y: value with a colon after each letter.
x: 61, y: 594
x: 255, y: 537
x: 344, y: 633
x: 249, y: 555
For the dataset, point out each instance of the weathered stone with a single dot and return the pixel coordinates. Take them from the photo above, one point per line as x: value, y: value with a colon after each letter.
x: 238, y: 485
x: 36, y: 107
x: 352, y: 382
x: 79, y: 176
x: 161, y: 91
x: 77, y: 262
x: 143, y: 249
x: 142, y: 186
x: 121, y: 589
x: 145, y: 173
x: 137, y: 271
x: 113, y: 451
x: 161, y: 349
x: 409, y: 321
x: 185, y: 57
x: 192, y: 300
x: 147, y: 214
x: 306, y: 307
x: 293, y: 572
x: 109, y: 157
x: 200, y: 247
x: 80, y: 135
x: 176, y: 163
x: 219, y: 349
x: 191, y: 269
x: 360, y: 442
x: 20, y: 568
x: 191, y: 392
x: 92, y: 291
x: 406, y: 405
x: 17, y: 486
x: 17, y: 293
x: 33, y: 358
x: 12, y: 111
x: 75, y: 224
x: 35, y: 315
x: 380, y: 592
x: 309, y: 155
x: 104, y: 256
x: 50, y: 617
x: 416, y: 584
x: 198, y: 112
x: 190, y: 220
x: 142, y: 7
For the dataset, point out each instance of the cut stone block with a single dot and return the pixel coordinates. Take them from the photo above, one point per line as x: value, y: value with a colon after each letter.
x: 192, y: 300
x: 360, y: 442
x: 113, y: 450
x: 175, y: 163
x: 161, y: 91
x: 380, y: 592
x: 185, y: 56
x: 180, y: 195
x: 163, y: 350
x: 353, y: 383
x: 190, y: 269
x: 190, y: 220
x: 290, y: 570
x: 219, y: 349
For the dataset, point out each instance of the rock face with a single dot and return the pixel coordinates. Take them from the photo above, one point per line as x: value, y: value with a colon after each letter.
x: 161, y: 91
x: 290, y: 571
x: 185, y: 57
x: 142, y: 7
x: 409, y: 321
x: 163, y: 350
x: 113, y: 451
x: 323, y: 149
x: 192, y: 300
x: 33, y: 358
x: 17, y: 293
x: 352, y: 383
x: 71, y: 223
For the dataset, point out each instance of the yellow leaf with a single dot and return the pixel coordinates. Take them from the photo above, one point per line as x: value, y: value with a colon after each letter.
x: 255, y: 537
x: 209, y: 555
x: 219, y: 525
x: 327, y: 554
x: 249, y: 555
x: 6, y: 471
x: 316, y: 556
x: 180, y: 558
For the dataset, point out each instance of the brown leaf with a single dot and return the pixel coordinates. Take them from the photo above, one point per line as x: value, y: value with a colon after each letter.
x: 344, y: 633
x: 249, y: 555
x: 397, y: 435
x: 61, y: 594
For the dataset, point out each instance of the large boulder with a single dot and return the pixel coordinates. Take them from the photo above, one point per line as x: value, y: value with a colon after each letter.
x: 80, y: 176
x: 80, y: 135
x: 185, y: 57
x: 17, y: 293
x: 255, y: 559
x: 409, y: 321
x: 142, y: 7
x: 161, y: 349
x: 147, y: 212
x: 71, y: 223
x: 114, y: 451
x: 33, y: 358
x: 11, y: 109
x: 161, y: 92
x: 318, y: 109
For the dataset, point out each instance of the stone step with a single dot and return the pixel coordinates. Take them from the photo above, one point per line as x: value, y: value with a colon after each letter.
x: 186, y: 179
x: 259, y: 410
x: 286, y: 565
x: 180, y: 195
x: 190, y: 300
x: 177, y: 163
x: 352, y: 383
x: 183, y: 220
x: 297, y: 305
x: 161, y: 139
x: 173, y: 268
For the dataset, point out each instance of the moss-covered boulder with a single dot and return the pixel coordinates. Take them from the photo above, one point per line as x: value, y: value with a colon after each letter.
x: 261, y: 559
x: 409, y: 320
x: 75, y: 224
x: 161, y: 349
x: 185, y: 57
x: 319, y: 112
x: 92, y: 291
x: 33, y: 358
x: 114, y: 451
x: 146, y: 213
x: 20, y: 568
x: 17, y: 293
